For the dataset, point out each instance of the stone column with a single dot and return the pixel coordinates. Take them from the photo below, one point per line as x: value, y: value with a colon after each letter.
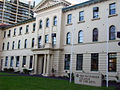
x: 44, y: 68
x: 35, y: 64
x: 48, y: 60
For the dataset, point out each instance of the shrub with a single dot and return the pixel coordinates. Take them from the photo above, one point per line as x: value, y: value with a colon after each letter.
x: 26, y: 71
x: 10, y: 70
x: 5, y: 70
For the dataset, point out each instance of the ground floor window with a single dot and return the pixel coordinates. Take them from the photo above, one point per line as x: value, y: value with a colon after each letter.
x: 79, y: 62
x: 112, y: 59
x: 6, y: 61
x: 17, y: 61
x: 94, y: 61
x: 11, y: 61
x: 31, y: 59
x: 67, y: 62
x: 24, y: 61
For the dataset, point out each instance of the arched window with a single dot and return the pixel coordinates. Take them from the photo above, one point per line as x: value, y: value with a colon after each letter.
x: 68, y: 38
x: 33, y: 40
x: 80, y: 36
x: 8, y: 46
x: 40, y: 24
x: 25, y: 45
x: 19, y: 44
x: 13, y: 44
x: 47, y: 22
x: 112, y: 33
x: 95, y: 35
x: 55, y: 21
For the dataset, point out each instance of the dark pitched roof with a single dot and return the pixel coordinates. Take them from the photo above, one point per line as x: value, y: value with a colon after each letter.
x: 81, y: 5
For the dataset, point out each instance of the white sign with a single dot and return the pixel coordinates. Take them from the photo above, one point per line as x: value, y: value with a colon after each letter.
x: 92, y: 79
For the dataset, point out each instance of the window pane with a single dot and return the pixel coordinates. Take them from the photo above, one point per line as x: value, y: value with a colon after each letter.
x: 112, y: 33
x: 67, y: 62
x: 79, y: 62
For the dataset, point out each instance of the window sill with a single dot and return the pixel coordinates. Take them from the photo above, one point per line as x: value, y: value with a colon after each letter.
x: 112, y: 15
x: 95, y: 19
x: 81, y: 22
x: 68, y: 24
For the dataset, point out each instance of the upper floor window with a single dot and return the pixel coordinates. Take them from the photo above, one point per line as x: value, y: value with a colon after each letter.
x: 81, y: 16
x: 13, y: 44
x: 39, y: 41
x: 4, y: 34
x: 8, y: 46
x: 33, y: 41
x: 46, y: 39
x: 95, y: 34
x: 53, y: 39
x: 55, y: 21
x: 47, y: 22
x: 27, y: 28
x: 9, y: 33
x: 95, y: 12
x: 25, y: 45
x: 80, y: 36
x: 19, y: 44
x: 69, y: 19
x: 3, y: 47
x: 112, y: 9
x: 112, y: 33
x: 68, y: 38
x: 34, y: 25
x: 15, y: 31
x: 20, y: 31
x: 40, y: 24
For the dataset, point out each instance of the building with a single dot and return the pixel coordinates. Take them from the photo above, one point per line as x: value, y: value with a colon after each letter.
x: 44, y: 43
x: 13, y: 11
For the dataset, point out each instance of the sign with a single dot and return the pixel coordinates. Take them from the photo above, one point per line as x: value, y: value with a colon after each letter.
x: 92, y: 79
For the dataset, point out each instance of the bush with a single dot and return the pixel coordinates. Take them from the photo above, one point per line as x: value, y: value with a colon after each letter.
x: 10, y: 70
x: 72, y: 76
x: 25, y: 71
x: 5, y: 70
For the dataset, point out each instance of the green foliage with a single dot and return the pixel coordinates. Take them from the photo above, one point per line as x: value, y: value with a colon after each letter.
x: 26, y: 71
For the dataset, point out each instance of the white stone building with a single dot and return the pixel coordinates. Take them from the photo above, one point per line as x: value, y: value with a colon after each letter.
x: 45, y: 42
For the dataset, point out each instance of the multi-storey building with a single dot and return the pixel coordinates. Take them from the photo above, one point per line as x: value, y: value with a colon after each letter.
x: 13, y: 11
x: 45, y: 43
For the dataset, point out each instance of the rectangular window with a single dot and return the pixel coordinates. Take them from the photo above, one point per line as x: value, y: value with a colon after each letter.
x: 81, y: 16
x: 112, y: 9
x: 40, y: 26
x: 3, y: 46
x: 4, y: 34
x: 67, y: 62
x: 17, y: 61
x: 15, y: 31
x: 11, y: 61
x: 20, y: 31
x: 53, y: 39
x: 46, y: 38
x: 33, y: 42
x: 24, y: 61
x: 69, y: 19
x: 6, y: 61
x: 112, y: 59
x: 9, y: 33
x: 31, y: 60
x: 34, y: 25
x: 94, y: 61
x: 95, y: 12
x: 27, y: 28
x: 79, y: 62
x: 39, y: 42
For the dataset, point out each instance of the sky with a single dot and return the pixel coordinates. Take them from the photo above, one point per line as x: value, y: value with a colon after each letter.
x: 71, y: 1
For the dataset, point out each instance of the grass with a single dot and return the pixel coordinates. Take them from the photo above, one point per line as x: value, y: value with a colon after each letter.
x: 37, y: 83
x: 1, y: 73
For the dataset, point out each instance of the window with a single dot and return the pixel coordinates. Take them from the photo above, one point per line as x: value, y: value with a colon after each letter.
x: 94, y: 61
x: 79, y: 62
x: 95, y: 12
x: 31, y: 60
x: 6, y: 61
x: 15, y: 31
x: 27, y: 28
x: 112, y: 9
x: 95, y: 35
x: 80, y: 36
x: 34, y: 25
x: 69, y: 19
x: 20, y: 31
x: 17, y: 61
x: 40, y: 24
x: 53, y: 39
x: 55, y: 21
x: 3, y: 47
x: 4, y: 34
x: 67, y: 62
x: 11, y: 61
x: 112, y: 33
x: 46, y: 38
x: 68, y: 38
x: 9, y: 33
x: 24, y: 61
x: 47, y: 22
x: 8, y: 46
x: 112, y: 59
x: 19, y: 44
x: 81, y: 16
x: 13, y: 45
x: 39, y: 42
x: 33, y: 41
x: 25, y: 45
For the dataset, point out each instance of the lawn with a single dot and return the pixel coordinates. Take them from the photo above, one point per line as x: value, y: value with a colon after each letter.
x: 37, y: 83
x: 1, y: 73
